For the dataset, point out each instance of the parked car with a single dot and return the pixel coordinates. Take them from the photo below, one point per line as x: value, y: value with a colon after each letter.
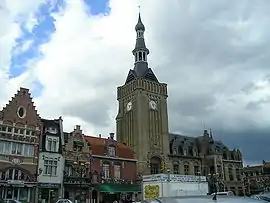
x: 204, y: 199
x: 63, y: 201
x: 262, y: 196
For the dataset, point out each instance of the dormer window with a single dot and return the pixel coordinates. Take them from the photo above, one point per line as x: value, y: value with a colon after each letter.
x: 185, y: 152
x: 52, y: 130
x: 52, y: 144
x: 111, y: 151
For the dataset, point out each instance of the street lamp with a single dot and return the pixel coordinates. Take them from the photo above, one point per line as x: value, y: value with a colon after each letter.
x: 213, y: 178
x: 81, y: 169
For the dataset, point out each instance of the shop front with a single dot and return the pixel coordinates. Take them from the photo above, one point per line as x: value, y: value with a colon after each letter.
x: 49, y: 192
x: 111, y: 192
x: 20, y: 191
x: 79, y: 193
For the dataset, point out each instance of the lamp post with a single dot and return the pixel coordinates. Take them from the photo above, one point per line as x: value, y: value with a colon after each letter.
x: 80, y: 167
x: 213, y: 179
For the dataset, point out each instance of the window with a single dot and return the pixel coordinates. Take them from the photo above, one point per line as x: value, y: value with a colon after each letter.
x: 7, y: 147
x: 9, y: 129
x: 197, y: 170
x: 50, y: 167
x: 54, y: 143
x: 19, y: 148
x: 111, y: 151
x: 238, y: 174
x: 52, y: 130
x: 186, y: 169
x: 2, y: 147
x: 29, y: 150
x: 185, y: 152
x: 106, y: 171
x: 230, y: 173
x: 176, y: 169
x: 14, y: 146
x: 49, y: 145
x: 117, y: 171
x: 140, y: 56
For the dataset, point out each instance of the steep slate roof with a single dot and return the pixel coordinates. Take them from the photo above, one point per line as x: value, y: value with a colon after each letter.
x: 140, y: 69
x: 98, y: 147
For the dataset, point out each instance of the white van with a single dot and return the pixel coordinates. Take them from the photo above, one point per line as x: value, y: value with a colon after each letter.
x: 204, y: 199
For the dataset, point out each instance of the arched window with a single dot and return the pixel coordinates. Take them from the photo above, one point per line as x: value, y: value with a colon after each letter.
x: 155, y: 165
x: 186, y: 169
x: 140, y: 56
x: 144, y: 56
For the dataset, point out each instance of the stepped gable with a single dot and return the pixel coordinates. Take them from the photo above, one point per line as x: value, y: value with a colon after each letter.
x: 21, y: 109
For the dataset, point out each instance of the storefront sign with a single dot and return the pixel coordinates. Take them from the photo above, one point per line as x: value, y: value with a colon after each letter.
x: 173, y: 178
x: 151, y: 191
x: 15, y: 182
x: 156, y: 177
x: 187, y: 178
x: 48, y: 185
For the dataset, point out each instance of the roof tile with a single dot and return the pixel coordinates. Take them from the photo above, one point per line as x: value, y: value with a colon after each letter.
x: 98, y: 146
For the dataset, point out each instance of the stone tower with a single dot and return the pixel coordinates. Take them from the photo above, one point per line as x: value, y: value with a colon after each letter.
x: 142, y: 120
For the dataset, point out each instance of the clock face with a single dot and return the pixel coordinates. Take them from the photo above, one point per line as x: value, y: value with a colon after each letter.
x: 129, y: 106
x: 153, y: 104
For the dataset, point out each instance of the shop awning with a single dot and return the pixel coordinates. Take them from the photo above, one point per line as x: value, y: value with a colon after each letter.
x: 116, y: 188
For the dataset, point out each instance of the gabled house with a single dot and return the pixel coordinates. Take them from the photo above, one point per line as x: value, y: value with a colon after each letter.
x: 20, y: 129
x: 113, y: 169
x: 77, y: 180
x: 51, y: 160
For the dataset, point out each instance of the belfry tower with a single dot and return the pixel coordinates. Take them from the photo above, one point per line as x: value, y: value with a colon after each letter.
x: 142, y: 120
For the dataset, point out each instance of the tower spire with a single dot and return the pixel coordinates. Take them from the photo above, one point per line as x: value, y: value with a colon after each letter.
x: 140, y: 51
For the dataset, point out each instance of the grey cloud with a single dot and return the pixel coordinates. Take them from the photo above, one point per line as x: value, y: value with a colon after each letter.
x: 254, y: 144
x: 200, y: 49
x: 194, y: 105
x: 94, y: 112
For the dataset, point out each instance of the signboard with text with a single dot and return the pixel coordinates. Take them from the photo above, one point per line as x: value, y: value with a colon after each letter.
x: 173, y: 178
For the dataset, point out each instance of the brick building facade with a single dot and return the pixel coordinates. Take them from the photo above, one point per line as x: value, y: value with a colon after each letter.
x: 114, y: 169
x: 20, y: 129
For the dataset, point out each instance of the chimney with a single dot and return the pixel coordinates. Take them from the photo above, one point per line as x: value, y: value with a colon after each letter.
x: 112, y: 136
x: 99, y: 135
x: 77, y: 127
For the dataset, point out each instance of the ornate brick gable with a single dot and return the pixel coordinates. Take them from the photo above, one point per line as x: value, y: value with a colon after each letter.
x: 21, y: 109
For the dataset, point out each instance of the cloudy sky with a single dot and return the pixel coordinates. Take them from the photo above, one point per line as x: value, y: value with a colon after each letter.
x: 214, y: 56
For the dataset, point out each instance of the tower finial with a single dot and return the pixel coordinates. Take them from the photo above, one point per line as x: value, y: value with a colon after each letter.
x: 139, y: 9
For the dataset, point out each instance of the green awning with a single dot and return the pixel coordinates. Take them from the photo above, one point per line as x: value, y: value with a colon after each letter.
x: 116, y: 188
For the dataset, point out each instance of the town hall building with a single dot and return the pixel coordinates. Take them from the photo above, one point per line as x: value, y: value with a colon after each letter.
x: 142, y: 123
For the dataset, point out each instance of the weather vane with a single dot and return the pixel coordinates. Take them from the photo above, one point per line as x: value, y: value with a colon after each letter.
x: 139, y: 8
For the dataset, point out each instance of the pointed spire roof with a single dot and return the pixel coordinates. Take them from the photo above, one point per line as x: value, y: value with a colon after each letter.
x: 140, y: 25
x: 140, y: 52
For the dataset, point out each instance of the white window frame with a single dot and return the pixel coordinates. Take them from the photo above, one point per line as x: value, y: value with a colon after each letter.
x: 111, y: 151
x: 49, y: 144
x: 54, y: 145
x: 50, y: 167
x: 106, y: 171
x: 117, y: 171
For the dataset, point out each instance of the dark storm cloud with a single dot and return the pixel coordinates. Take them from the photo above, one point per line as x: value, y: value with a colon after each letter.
x: 254, y: 144
x: 207, y: 52
x: 210, y: 48
x: 194, y: 105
